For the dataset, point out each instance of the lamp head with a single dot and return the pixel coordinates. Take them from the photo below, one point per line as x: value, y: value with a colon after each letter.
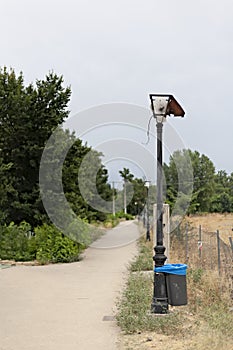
x: 163, y: 105
x: 147, y: 184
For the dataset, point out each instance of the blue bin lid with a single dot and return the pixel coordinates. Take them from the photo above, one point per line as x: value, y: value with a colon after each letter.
x: 174, y: 269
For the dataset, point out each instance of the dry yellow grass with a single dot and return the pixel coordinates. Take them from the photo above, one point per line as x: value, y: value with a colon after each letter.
x: 204, y: 339
x: 214, y: 222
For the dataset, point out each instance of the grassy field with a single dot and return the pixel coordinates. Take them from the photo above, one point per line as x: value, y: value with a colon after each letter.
x: 214, y: 222
x: 206, y: 323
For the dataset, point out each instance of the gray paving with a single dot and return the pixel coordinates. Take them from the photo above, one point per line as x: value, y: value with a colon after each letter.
x: 67, y: 306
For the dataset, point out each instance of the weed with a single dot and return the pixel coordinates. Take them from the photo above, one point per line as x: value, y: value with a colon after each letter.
x: 206, y: 323
x: 208, y: 303
x: 144, y: 260
x: 134, y: 309
x: 219, y: 318
x: 195, y: 275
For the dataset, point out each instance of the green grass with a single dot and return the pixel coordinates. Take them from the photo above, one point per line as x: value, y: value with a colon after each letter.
x: 134, y: 309
x: 208, y: 302
x: 144, y: 260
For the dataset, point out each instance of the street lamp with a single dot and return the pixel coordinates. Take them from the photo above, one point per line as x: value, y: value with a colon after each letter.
x: 147, y: 185
x: 136, y: 207
x: 162, y: 106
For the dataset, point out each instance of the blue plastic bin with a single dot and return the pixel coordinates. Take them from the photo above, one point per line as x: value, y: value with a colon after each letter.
x: 175, y: 283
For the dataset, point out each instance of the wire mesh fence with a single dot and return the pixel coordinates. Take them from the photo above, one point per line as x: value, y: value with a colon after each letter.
x: 200, y: 248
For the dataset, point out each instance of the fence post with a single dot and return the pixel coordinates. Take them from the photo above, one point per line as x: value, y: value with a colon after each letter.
x: 186, y: 243
x: 219, y: 257
x: 178, y: 232
x: 231, y: 243
x: 211, y: 249
x: 199, y: 243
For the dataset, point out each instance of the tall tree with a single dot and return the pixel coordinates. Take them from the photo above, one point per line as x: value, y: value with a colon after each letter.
x: 6, y: 189
x: 140, y: 197
x: 222, y: 199
x: 95, y: 197
x: 136, y: 190
x: 189, y: 175
x: 28, y: 116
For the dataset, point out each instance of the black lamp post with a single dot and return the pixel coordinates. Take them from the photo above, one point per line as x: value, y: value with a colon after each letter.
x: 125, y: 202
x: 136, y: 209
x: 147, y: 184
x: 144, y: 217
x: 162, y: 106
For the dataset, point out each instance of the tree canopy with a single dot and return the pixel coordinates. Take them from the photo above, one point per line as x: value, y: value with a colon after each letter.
x: 137, y: 193
x: 28, y: 117
x: 191, y: 181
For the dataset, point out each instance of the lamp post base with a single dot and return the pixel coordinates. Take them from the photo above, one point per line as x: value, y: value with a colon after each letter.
x: 157, y: 307
x: 160, y: 299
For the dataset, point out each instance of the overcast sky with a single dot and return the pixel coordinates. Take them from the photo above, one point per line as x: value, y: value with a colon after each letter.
x: 120, y: 51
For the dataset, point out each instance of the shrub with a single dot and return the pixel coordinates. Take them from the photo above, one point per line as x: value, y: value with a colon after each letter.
x: 53, y: 246
x: 111, y: 221
x: 47, y: 244
x: 122, y: 215
x: 17, y: 242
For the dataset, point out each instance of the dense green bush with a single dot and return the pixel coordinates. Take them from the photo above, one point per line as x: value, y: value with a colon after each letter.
x: 16, y: 242
x: 53, y: 246
x: 47, y: 244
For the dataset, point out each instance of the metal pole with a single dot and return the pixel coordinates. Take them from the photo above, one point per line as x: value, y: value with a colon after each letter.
x: 231, y: 243
x: 160, y: 299
x: 219, y: 256
x: 211, y: 249
x: 199, y: 243
x: 148, y: 217
x: 113, y: 200
x: 125, y: 208
x: 144, y: 216
x: 159, y: 185
x: 200, y: 246
x: 187, y: 243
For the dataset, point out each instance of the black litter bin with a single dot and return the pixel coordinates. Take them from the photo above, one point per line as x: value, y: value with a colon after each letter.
x: 175, y: 283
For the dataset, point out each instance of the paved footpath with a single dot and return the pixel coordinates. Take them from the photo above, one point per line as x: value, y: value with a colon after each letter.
x: 63, y: 306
